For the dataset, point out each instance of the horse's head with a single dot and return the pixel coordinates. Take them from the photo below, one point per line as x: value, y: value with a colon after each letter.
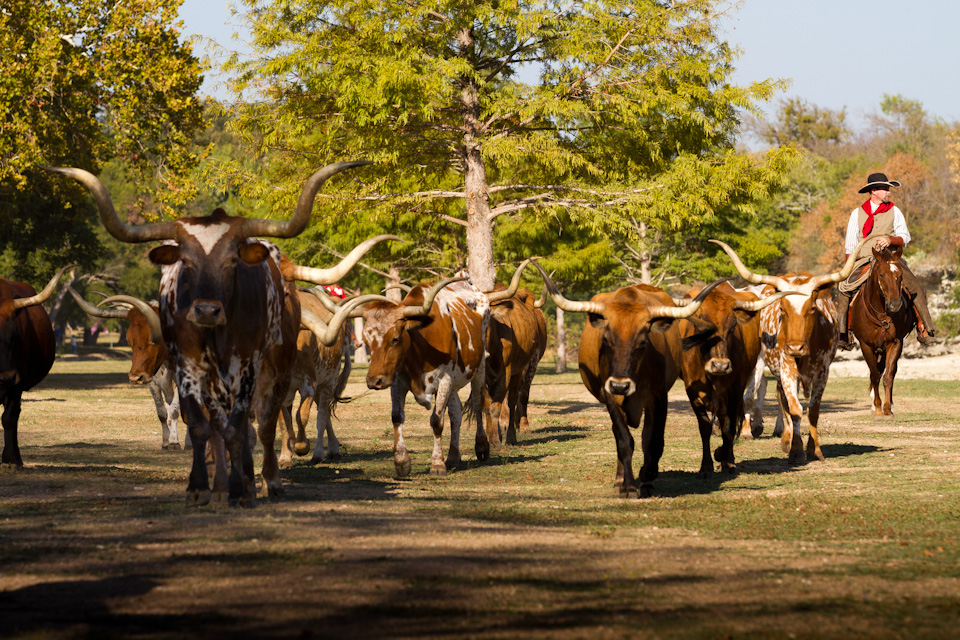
x: 888, y: 277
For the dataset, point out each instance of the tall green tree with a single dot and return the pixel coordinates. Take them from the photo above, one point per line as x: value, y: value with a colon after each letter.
x: 84, y: 82
x: 492, y: 107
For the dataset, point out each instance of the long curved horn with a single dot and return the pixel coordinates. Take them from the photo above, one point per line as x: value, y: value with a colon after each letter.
x: 497, y: 296
x: 748, y: 275
x: 258, y: 227
x: 328, y: 333
x: 567, y: 305
x: 153, y: 320
x: 542, y: 300
x: 47, y: 291
x: 336, y: 273
x: 398, y: 285
x: 844, y: 273
x: 664, y: 311
x: 324, y: 299
x: 428, y: 297
x: 757, y: 305
x: 96, y: 312
x: 108, y: 215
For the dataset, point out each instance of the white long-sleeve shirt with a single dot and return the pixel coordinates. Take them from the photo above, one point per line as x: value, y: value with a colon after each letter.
x: 853, y: 229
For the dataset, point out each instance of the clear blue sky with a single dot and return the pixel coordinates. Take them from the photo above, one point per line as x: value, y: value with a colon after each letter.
x: 837, y: 53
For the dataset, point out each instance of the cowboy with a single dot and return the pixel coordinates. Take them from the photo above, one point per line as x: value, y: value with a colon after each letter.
x: 879, y: 218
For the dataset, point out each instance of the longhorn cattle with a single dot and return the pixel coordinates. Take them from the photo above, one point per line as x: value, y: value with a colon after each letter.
x: 223, y: 308
x: 515, y: 343
x: 717, y: 371
x: 798, y: 340
x: 27, y: 349
x: 630, y: 354
x: 320, y: 375
x: 431, y: 343
x: 150, y: 363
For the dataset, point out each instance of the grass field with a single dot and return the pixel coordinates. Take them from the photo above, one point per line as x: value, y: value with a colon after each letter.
x: 95, y: 541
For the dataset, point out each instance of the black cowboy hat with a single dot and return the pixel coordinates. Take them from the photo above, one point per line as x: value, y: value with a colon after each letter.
x: 878, y: 181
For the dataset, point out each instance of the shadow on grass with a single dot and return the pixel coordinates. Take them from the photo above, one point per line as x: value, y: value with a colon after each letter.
x: 73, y: 381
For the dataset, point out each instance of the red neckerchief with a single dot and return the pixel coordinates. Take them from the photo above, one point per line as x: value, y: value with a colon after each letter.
x: 868, y: 225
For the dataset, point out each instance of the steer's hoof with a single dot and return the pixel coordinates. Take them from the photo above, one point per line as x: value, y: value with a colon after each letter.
x: 438, y: 470
x: 274, y: 489
x: 646, y: 490
x: 705, y: 473
x: 302, y: 447
x: 172, y: 446
x: 483, y: 451
x: 198, y: 498
x: 11, y: 466
x: 218, y: 497
x: 731, y: 470
x: 797, y: 457
x: 334, y: 457
x: 315, y: 460
x: 626, y: 492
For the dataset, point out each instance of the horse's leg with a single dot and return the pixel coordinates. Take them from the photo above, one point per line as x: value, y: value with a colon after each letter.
x: 870, y: 357
x: 889, y: 373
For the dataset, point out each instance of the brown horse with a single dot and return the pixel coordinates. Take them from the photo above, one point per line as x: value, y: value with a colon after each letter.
x: 880, y: 317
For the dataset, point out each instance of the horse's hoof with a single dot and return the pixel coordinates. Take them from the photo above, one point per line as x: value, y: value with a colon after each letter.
x: 746, y: 435
x: 646, y: 490
x: 438, y: 470
x: 627, y: 493
x: 732, y: 470
x: 302, y: 448
x: 285, y: 463
x: 402, y: 467
x: 333, y: 457
x: 172, y: 446
x: 218, y: 497
x: 315, y: 460
x: 705, y: 473
x: 797, y: 457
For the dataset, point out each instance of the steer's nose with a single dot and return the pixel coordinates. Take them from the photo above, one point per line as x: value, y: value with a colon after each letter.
x: 139, y: 378
x: 796, y: 349
x: 376, y: 382
x: 718, y: 366
x: 620, y: 386
x: 207, y: 313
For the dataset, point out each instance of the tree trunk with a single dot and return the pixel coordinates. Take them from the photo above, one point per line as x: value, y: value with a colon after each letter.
x: 394, y: 293
x: 479, y: 222
x: 645, y: 257
x: 360, y: 355
x: 561, y: 342
x: 61, y: 294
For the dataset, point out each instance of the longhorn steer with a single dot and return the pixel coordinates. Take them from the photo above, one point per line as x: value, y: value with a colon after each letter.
x: 431, y: 343
x: 320, y: 375
x: 717, y: 371
x: 27, y: 349
x: 223, y: 308
x: 629, y: 358
x: 150, y: 363
x: 798, y: 340
x: 515, y: 343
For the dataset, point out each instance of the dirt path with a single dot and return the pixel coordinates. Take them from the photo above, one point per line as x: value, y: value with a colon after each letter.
x: 942, y: 367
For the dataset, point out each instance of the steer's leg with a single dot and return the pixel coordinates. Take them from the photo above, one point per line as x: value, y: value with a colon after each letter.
x: 524, y: 399
x: 479, y: 409
x: 654, y: 423
x: 791, y: 411
x: 706, y: 430
x: 198, y: 424
x: 627, y: 486
x: 437, y: 465
x: 753, y: 403
x: 455, y: 410
x: 398, y: 397
x: 11, y: 416
x: 817, y: 387
x: 513, y: 415
x: 157, y: 393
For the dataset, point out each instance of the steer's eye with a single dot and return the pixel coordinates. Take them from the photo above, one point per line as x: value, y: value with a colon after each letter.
x: 396, y: 339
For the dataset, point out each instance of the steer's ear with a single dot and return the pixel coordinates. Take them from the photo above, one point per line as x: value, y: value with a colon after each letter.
x: 415, y: 323
x: 165, y: 254
x: 743, y: 317
x: 661, y: 324
x: 253, y: 253
x: 597, y: 321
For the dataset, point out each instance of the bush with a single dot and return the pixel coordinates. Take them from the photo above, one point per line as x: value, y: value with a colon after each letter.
x: 948, y: 324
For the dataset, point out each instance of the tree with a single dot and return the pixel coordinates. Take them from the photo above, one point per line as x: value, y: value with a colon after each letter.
x: 487, y: 108
x: 83, y: 82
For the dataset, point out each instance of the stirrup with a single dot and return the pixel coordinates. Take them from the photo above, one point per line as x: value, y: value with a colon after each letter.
x: 845, y: 344
x: 928, y: 338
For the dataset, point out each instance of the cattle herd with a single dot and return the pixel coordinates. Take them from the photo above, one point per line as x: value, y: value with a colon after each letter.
x: 232, y: 340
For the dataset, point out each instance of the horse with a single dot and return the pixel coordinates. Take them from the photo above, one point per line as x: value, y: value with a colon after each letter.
x: 881, y: 316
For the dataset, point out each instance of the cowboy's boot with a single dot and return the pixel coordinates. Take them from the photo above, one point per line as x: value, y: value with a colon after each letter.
x: 843, y: 313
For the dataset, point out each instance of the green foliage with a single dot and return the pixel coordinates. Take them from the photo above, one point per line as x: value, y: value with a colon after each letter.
x: 630, y: 115
x: 81, y: 83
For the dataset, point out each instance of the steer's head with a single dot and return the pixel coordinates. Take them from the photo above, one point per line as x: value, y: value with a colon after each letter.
x: 389, y: 328
x: 206, y: 260
x: 148, y: 354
